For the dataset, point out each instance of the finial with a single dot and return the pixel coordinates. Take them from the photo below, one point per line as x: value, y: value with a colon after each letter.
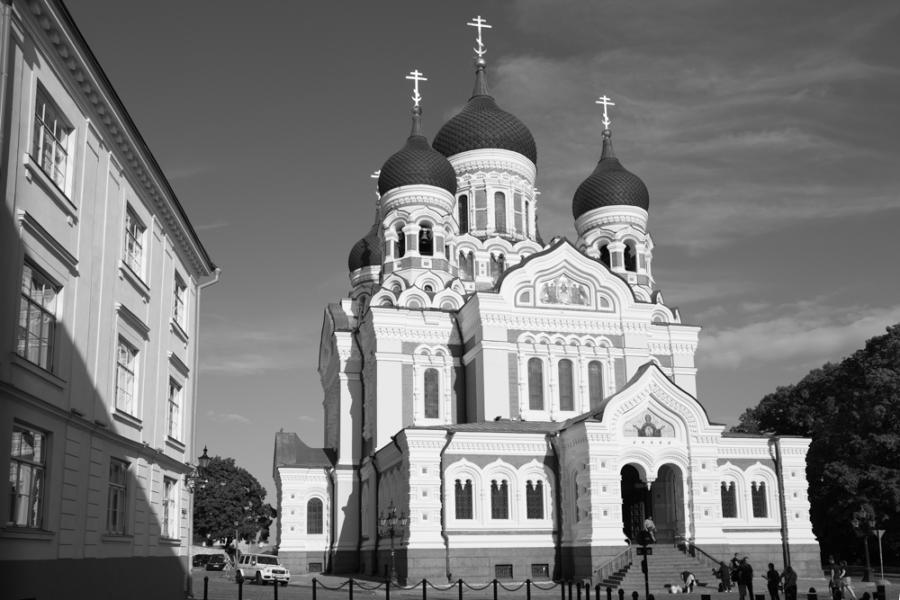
x: 415, y: 76
x: 606, y: 102
x: 479, y: 24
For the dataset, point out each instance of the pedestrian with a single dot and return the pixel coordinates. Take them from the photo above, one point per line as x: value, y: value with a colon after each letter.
x: 745, y: 579
x: 735, y: 563
x: 773, y: 579
x: 650, y: 528
x: 789, y: 583
x: 724, y: 575
x: 845, y: 581
x: 834, y: 579
x: 689, y: 581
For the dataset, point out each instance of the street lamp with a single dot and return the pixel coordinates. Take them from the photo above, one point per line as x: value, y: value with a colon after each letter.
x: 197, y: 476
x: 191, y: 479
x: 863, y: 522
x: 392, y: 523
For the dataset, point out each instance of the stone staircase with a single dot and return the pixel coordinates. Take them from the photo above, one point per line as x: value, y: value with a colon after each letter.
x: 665, y: 566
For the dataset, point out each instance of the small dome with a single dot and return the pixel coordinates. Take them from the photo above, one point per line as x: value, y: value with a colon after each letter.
x: 417, y: 163
x: 483, y: 124
x: 610, y: 185
x: 366, y: 252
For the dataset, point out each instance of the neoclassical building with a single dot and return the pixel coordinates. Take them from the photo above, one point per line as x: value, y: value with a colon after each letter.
x: 525, y: 405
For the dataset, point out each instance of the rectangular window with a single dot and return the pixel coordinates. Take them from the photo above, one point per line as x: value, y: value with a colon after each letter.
x: 315, y: 567
x: 463, y: 214
x: 36, y: 331
x: 463, y: 498
x: 595, y: 384
x: 174, y: 416
x: 50, y: 147
x: 566, y: 386
x: 758, y: 497
x: 27, y: 465
x: 503, y: 571
x: 116, y: 509
x: 179, y: 309
x: 481, y: 210
x: 499, y: 499
x: 534, y: 499
x: 133, y: 253
x: 499, y: 212
x: 432, y: 393
x: 729, y: 500
x: 518, y: 213
x: 126, y: 368
x: 170, y: 508
x: 535, y: 384
x: 540, y: 571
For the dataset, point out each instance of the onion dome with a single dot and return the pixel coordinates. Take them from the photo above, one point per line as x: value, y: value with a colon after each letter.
x: 367, y: 252
x: 483, y: 124
x: 417, y: 163
x: 610, y: 185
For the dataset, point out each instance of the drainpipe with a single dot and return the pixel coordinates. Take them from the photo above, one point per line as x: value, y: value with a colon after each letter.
x: 444, y: 510
x: 332, y: 525
x: 5, y: 36
x: 557, y: 476
x: 775, y: 441
x: 362, y: 416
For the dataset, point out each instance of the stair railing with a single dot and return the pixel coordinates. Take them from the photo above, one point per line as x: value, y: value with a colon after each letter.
x: 616, y: 563
x: 690, y: 548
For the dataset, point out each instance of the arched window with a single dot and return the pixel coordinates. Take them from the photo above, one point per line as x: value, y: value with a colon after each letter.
x: 499, y: 499
x: 498, y: 264
x: 604, y: 254
x: 758, y: 498
x: 729, y: 500
x: 426, y: 239
x: 518, y: 213
x: 500, y: 212
x: 535, y: 384
x: 466, y: 265
x: 527, y: 229
x: 481, y: 210
x: 463, y: 496
x: 463, y: 207
x: 432, y: 393
x: 595, y: 384
x: 314, y: 516
x: 630, y: 257
x: 534, y: 500
x: 566, y: 387
x: 400, y: 247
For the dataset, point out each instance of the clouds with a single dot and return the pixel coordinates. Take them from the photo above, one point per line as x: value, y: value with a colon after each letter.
x: 220, y: 418
x: 236, y: 349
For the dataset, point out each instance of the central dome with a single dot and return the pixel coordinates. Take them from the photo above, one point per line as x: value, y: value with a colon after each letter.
x: 417, y: 163
x: 483, y: 124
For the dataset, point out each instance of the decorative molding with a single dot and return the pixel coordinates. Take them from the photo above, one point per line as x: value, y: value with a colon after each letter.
x: 135, y: 280
x: 133, y: 321
x: 33, y: 171
x: 29, y: 223
x: 179, y: 365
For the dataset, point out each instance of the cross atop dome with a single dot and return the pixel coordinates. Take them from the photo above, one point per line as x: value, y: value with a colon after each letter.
x: 606, y: 102
x: 479, y: 24
x: 415, y: 76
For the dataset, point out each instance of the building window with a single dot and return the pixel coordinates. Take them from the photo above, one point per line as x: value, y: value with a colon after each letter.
x: 432, y: 393
x: 566, y: 387
x: 467, y: 265
x: 174, y: 414
x: 503, y: 571
x: 170, y: 509
x: 481, y: 210
x: 595, y: 384
x: 126, y: 368
x: 464, y: 214
x: 527, y: 218
x: 500, y: 212
x: 534, y: 500
x: 36, y: 332
x: 540, y: 571
x: 758, y: 498
x: 535, y: 384
x: 518, y: 212
x: 315, y: 567
x: 52, y: 137
x: 27, y: 465
x: 729, y: 500
x: 134, y: 242
x: 116, y: 510
x: 314, y: 517
x: 499, y: 499
x: 179, y: 309
x: 498, y: 264
x: 630, y: 257
x: 463, y: 497
x: 604, y: 254
x: 426, y: 240
x: 400, y: 247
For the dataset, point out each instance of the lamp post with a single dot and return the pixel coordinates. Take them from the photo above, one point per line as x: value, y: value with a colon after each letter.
x: 191, y: 479
x: 863, y: 522
x: 392, y: 523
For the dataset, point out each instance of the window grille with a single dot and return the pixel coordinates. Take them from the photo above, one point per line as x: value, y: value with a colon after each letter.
x: 134, y: 243
x: 314, y: 517
x: 540, y: 571
x: 499, y: 499
x: 463, y: 498
x: 51, y: 139
x: 432, y: 393
x: 174, y: 416
x: 126, y: 367
x: 117, y: 508
x: 758, y: 497
x: 729, y: 500
x: 27, y: 466
x: 36, y: 331
x: 534, y: 500
x: 503, y: 571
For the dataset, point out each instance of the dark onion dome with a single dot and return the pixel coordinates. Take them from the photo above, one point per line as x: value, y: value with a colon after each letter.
x: 417, y: 163
x: 367, y: 252
x: 483, y: 124
x: 610, y: 185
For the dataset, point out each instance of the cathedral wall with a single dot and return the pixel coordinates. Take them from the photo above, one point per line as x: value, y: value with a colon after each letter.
x: 459, y: 395
x: 513, y: 377
x: 407, y: 390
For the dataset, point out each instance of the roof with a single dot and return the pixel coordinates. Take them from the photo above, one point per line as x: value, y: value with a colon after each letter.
x: 610, y: 184
x: 290, y: 451
x: 499, y: 426
x: 366, y: 252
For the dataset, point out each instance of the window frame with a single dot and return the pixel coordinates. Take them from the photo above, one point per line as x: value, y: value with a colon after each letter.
x: 34, y: 516
x: 464, y: 487
x: 462, y: 209
x: 179, y: 303
x: 319, y: 523
x: 534, y: 499
x: 499, y: 491
x: 133, y: 371
x: 570, y: 384
x: 535, y: 386
x: 170, y: 521
x: 759, y: 499
x: 134, y: 251
x: 46, y: 316
x: 117, y: 498
x: 175, y: 425
x: 40, y: 130
x: 729, y: 487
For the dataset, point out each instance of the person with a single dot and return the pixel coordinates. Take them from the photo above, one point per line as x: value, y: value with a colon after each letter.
x: 735, y: 563
x: 745, y: 579
x: 845, y: 581
x: 650, y: 528
x: 789, y: 583
x: 773, y: 579
x: 834, y: 579
x: 724, y: 575
x: 689, y: 581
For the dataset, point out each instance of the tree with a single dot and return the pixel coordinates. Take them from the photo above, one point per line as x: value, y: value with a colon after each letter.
x: 229, y: 501
x: 851, y: 410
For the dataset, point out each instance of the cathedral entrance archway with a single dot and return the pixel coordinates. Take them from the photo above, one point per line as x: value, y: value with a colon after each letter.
x: 635, y: 500
x: 663, y: 500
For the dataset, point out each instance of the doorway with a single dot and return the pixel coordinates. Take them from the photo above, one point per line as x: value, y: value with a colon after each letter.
x: 635, y: 500
x: 667, y: 503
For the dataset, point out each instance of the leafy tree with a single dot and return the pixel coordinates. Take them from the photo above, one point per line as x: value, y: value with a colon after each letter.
x: 851, y: 410
x: 228, y: 500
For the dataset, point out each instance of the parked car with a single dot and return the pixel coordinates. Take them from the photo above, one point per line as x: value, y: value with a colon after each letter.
x: 200, y: 560
x: 261, y: 569
x: 216, y: 562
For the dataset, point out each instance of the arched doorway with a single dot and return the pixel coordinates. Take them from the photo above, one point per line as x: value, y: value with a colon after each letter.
x: 635, y: 500
x: 667, y: 503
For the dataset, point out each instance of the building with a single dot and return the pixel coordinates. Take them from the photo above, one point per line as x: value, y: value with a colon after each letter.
x: 101, y: 275
x: 523, y: 405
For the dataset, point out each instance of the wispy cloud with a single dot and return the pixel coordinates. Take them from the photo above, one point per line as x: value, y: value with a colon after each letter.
x: 239, y: 349
x: 217, y: 417
x: 212, y: 225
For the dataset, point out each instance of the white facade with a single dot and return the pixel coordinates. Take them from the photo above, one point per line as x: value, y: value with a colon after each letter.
x: 101, y: 273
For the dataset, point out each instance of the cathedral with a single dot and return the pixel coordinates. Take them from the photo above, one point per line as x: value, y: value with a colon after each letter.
x: 500, y: 406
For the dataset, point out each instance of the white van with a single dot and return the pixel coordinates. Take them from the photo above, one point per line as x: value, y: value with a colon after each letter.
x: 261, y: 568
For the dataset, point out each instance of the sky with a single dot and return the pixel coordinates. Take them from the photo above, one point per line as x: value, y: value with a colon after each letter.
x: 766, y: 132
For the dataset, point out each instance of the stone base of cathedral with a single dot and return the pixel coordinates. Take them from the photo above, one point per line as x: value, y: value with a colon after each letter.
x: 303, y: 562
x: 806, y: 559
x: 579, y: 562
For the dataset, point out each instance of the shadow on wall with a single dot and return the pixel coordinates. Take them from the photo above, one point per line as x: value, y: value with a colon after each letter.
x: 98, y: 530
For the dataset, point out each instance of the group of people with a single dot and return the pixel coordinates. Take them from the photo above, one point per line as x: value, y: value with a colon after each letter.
x: 840, y: 583
x: 741, y: 572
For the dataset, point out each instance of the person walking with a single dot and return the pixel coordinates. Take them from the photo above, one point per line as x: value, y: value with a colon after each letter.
x: 745, y: 579
x: 724, y: 575
x: 789, y: 583
x: 650, y: 528
x: 773, y: 580
x: 845, y: 581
